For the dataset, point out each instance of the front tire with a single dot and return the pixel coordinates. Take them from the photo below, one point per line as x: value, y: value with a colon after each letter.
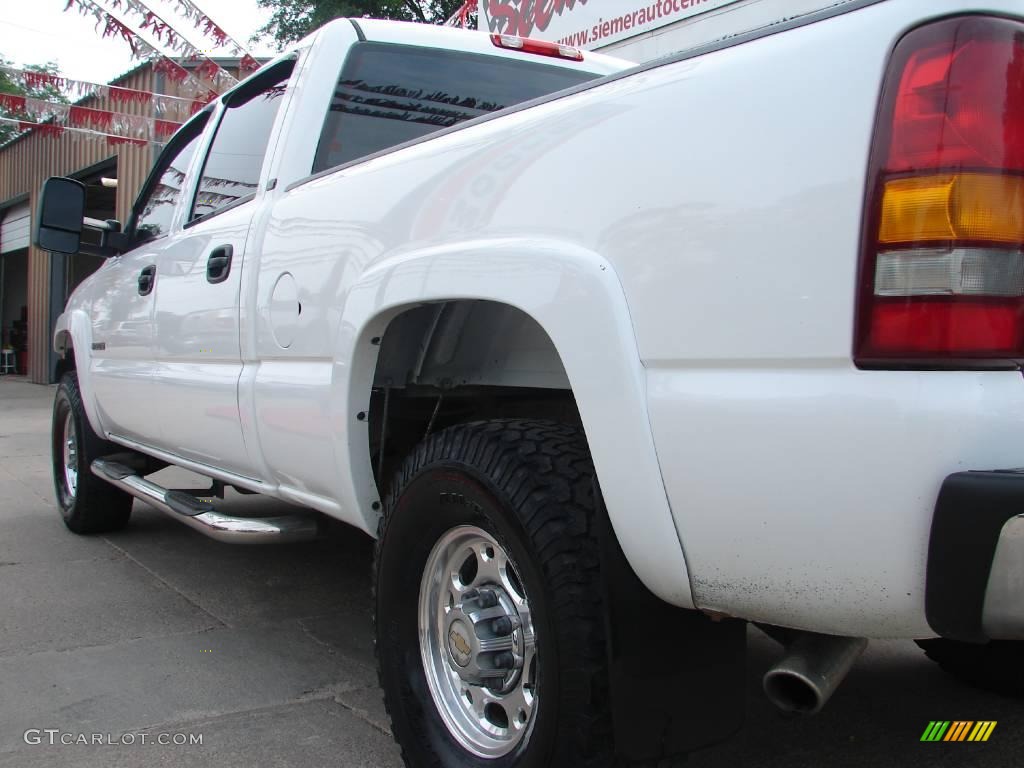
x: 87, y: 504
x: 490, y: 628
x: 997, y: 665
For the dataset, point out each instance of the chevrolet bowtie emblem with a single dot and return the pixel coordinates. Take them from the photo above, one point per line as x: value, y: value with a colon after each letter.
x: 459, y: 642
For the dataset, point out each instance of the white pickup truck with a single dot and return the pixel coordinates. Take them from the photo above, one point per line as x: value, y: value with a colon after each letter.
x: 611, y: 361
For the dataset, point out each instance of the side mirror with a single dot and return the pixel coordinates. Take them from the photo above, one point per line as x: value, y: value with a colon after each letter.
x: 58, y: 225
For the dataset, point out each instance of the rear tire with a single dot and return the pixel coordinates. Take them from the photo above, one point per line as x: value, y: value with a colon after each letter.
x: 521, y: 494
x: 994, y: 666
x: 87, y: 504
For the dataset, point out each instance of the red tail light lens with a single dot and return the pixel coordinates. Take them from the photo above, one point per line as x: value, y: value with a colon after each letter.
x: 942, y: 265
x: 960, y: 99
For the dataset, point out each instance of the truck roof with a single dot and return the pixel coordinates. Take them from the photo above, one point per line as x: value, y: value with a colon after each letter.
x: 472, y: 41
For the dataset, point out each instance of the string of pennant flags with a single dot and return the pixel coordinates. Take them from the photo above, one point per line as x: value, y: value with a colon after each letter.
x: 73, y: 116
x: 214, y: 78
x: 206, y: 80
x: 167, y: 35
x: 213, y: 32
x: 163, y: 105
x: 55, y: 130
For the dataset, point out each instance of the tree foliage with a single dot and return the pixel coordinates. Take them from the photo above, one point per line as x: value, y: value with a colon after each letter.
x: 292, y: 20
x: 9, y: 85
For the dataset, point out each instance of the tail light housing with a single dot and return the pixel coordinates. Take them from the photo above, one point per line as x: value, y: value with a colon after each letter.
x: 538, y: 47
x: 942, y: 262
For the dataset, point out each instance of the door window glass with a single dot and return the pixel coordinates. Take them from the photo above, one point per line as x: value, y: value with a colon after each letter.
x: 232, y: 168
x: 156, y: 209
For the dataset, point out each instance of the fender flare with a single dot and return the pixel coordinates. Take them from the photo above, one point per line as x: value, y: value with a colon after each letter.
x: 575, y: 296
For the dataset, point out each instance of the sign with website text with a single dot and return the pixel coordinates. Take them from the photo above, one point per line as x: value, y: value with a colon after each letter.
x: 586, y: 23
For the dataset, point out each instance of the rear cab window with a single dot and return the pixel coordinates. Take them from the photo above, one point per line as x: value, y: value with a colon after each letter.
x: 388, y: 94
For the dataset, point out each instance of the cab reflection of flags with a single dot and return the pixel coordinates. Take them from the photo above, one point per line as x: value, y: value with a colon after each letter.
x: 958, y: 730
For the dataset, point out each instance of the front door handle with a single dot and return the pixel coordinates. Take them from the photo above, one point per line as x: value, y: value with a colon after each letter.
x: 146, y: 280
x: 218, y: 266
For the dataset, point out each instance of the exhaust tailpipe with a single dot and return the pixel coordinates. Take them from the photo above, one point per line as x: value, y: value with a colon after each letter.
x: 811, y: 670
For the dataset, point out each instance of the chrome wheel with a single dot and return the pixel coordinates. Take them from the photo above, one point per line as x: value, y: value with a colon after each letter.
x: 70, y: 447
x: 477, y: 642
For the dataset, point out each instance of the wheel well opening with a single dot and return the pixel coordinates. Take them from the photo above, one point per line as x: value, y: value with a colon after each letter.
x: 65, y: 360
x: 454, y: 362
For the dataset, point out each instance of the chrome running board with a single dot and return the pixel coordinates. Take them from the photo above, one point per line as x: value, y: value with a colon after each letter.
x: 201, y: 515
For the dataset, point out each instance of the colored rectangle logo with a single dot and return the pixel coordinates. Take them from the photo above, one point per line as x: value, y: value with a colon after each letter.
x: 958, y: 730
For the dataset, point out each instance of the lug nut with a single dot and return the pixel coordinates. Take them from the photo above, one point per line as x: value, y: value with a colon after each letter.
x: 502, y: 626
x: 487, y: 598
x: 504, y: 660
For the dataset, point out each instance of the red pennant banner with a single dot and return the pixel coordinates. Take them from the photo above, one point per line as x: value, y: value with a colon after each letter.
x: 46, y: 129
x: 166, y: 33
x: 160, y: 30
x: 172, y: 69
x: 54, y: 131
x: 211, y: 30
x: 113, y: 27
x: 128, y: 95
x: 164, y: 128
x: 141, y: 127
x: 214, y: 32
x: 207, y: 69
x: 116, y: 140
x: 164, y: 106
x: 37, y: 80
x: 12, y: 102
x: 248, y: 64
x: 91, y: 118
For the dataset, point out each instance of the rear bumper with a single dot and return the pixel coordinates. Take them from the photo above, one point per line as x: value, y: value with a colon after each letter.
x: 975, y: 582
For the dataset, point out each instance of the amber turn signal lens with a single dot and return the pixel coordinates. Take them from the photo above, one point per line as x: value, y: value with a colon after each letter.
x: 953, y: 207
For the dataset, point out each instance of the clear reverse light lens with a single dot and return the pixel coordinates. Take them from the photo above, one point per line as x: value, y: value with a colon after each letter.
x: 956, y: 272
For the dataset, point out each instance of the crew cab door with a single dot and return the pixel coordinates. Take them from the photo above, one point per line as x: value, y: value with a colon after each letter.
x: 124, y: 290
x: 198, y: 350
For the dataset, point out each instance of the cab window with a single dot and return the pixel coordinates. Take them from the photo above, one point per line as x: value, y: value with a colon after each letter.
x: 388, y: 94
x: 232, y: 167
x: 155, y: 208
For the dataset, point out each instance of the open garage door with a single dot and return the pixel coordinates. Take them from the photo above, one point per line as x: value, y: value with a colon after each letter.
x: 14, y: 229
x: 14, y: 239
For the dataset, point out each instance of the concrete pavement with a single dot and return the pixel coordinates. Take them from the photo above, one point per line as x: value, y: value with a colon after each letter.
x: 267, y: 652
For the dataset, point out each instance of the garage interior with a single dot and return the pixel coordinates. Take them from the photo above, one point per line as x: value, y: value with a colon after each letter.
x: 14, y: 236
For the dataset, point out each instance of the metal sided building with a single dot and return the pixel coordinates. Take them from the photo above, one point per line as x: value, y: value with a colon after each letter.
x: 35, y: 284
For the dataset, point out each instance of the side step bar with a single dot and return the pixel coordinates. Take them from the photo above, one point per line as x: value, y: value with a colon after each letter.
x: 202, y: 516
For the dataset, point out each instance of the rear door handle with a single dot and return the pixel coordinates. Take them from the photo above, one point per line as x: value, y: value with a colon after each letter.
x: 146, y: 280
x: 218, y: 266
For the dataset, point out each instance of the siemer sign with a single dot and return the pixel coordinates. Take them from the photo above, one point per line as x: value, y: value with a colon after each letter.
x: 586, y: 24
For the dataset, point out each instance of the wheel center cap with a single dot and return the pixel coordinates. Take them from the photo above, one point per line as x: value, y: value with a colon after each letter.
x: 459, y: 645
